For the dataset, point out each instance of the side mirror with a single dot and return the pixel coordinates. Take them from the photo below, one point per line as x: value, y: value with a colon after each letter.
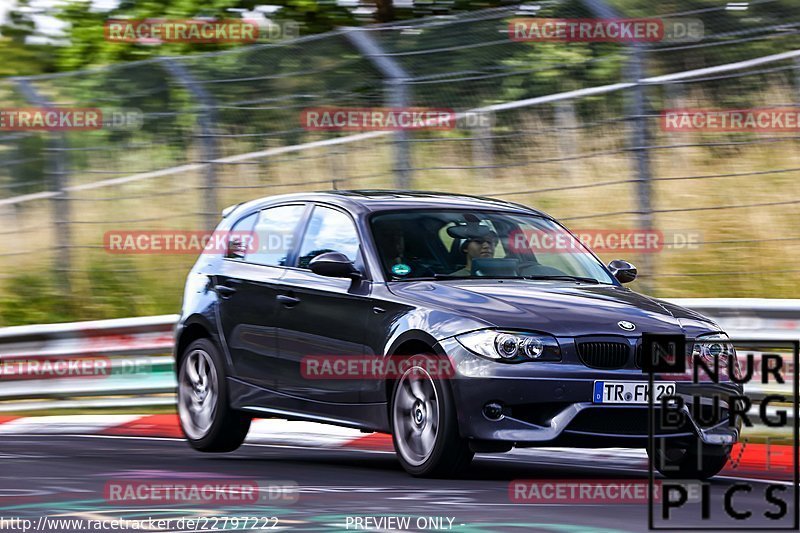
x: 622, y: 270
x: 333, y: 265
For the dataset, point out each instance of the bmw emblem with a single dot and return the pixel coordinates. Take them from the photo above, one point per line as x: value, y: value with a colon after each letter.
x: 627, y: 326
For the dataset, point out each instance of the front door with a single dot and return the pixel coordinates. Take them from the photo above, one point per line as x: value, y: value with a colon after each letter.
x: 323, y: 317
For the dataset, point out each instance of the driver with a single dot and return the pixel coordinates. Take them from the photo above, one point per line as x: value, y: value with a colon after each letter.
x: 479, y: 245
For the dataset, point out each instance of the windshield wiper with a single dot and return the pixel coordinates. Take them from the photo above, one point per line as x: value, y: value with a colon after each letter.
x: 429, y: 278
x: 450, y: 276
x: 563, y: 277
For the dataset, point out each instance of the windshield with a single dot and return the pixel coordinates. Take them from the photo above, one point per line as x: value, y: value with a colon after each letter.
x: 446, y: 244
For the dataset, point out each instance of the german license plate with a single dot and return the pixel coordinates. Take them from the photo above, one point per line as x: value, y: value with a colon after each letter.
x: 630, y: 391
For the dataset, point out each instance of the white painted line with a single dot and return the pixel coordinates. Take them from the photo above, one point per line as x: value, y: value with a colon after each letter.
x: 65, y: 424
x: 90, y: 436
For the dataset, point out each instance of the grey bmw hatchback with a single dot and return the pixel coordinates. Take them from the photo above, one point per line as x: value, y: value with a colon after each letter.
x: 458, y: 324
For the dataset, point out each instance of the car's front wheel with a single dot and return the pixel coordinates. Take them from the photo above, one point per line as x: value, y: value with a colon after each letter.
x: 425, y: 426
x: 207, y: 420
x: 695, y: 461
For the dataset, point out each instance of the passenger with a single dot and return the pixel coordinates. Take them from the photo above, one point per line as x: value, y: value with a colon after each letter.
x: 393, y: 244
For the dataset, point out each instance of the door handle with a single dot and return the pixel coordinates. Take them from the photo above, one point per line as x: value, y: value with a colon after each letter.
x: 287, y: 301
x: 224, y: 290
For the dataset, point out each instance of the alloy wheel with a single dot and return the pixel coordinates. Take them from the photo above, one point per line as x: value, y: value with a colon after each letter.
x: 198, y: 389
x: 415, y: 415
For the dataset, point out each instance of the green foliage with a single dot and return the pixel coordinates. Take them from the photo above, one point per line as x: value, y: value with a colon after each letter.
x: 86, y: 44
x: 33, y: 298
x: 29, y: 174
x: 19, y: 59
x: 104, y: 290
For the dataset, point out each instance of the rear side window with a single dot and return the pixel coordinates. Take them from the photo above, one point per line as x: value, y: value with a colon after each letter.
x: 328, y: 230
x: 274, y: 234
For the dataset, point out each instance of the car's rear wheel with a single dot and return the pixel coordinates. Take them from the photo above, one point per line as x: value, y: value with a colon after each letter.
x: 425, y: 426
x: 695, y: 461
x: 207, y: 420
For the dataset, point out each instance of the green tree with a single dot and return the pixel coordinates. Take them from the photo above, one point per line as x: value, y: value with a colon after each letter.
x: 87, y: 45
x: 19, y: 56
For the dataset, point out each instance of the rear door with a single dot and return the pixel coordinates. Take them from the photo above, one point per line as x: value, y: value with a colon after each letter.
x: 323, y: 316
x: 248, y: 286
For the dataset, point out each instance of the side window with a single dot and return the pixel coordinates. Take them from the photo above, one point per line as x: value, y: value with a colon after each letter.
x: 240, y: 237
x: 328, y: 230
x: 274, y: 234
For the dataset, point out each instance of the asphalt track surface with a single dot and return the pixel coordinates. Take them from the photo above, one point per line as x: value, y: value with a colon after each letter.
x: 65, y: 477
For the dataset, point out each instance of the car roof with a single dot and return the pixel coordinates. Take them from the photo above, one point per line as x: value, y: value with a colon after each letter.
x: 361, y: 201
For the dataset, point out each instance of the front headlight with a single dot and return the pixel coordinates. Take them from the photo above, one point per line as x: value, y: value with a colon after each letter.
x: 717, y: 346
x: 511, y: 347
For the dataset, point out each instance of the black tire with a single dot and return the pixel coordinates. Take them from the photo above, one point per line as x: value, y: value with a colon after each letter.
x: 222, y: 429
x: 696, y: 461
x: 450, y: 454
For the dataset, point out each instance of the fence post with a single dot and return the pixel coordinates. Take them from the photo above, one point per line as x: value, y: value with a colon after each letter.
x: 483, y: 144
x: 58, y: 174
x: 395, y: 84
x: 797, y: 79
x: 337, y: 170
x: 565, y: 122
x: 640, y: 142
x: 636, y: 109
x: 206, y: 119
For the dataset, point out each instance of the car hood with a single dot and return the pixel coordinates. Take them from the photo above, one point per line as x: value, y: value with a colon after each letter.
x: 558, y: 308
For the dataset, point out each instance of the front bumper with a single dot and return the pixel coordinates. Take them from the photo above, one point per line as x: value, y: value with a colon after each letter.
x: 550, y: 404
